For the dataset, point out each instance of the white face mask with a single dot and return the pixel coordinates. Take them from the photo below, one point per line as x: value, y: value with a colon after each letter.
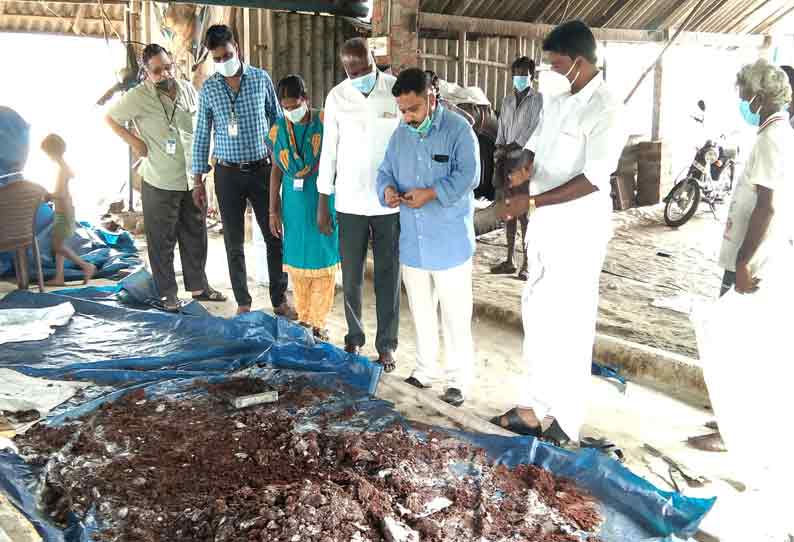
x: 228, y: 68
x: 297, y: 114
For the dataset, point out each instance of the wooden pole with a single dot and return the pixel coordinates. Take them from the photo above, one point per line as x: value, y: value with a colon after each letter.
x: 664, y: 49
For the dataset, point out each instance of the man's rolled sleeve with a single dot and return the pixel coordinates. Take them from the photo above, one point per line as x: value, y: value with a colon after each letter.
x: 330, y: 149
x: 465, y: 174
x: 603, y: 147
x: 124, y: 110
x: 202, y: 136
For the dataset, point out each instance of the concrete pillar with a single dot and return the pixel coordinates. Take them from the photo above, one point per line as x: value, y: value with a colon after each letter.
x: 658, y: 100
x: 398, y: 19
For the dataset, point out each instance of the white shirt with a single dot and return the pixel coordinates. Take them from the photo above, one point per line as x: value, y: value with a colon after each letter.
x: 580, y: 133
x: 771, y: 165
x: 356, y: 132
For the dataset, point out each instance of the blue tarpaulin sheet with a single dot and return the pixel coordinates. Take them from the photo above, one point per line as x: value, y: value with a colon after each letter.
x: 125, y: 348
x: 109, y: 252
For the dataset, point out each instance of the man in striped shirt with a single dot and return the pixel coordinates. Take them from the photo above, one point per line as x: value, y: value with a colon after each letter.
x: 238, y: 105
x: 517, y: 122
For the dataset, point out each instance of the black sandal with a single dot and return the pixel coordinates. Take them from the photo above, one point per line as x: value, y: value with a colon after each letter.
x: 555, y: 435
x: 516, y: 424
x: 604, y: 446
x: 504, y: 268
x: 210, y: 295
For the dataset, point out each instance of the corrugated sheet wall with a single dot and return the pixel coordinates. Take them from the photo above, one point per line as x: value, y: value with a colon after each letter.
x: 488, y: 61
x: 295, y: 43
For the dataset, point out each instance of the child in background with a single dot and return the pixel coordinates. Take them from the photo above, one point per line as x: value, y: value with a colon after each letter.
x: 63, y: 226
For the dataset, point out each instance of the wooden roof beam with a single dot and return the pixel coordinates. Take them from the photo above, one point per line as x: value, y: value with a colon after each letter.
x: 475, y: 25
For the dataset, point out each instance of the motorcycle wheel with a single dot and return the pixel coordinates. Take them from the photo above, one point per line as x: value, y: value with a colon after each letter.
x: 682, y: 203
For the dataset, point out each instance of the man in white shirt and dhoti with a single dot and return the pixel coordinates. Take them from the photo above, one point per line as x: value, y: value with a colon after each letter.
x: 568, y: 162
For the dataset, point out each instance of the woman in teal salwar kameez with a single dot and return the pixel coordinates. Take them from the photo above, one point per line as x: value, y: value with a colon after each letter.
x: 310, y: 258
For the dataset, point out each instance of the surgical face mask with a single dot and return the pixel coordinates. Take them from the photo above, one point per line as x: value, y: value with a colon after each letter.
x: 297, y: 114
x: 520, y: 82
x: 424, y: 126
x: 228, y: 68
x: 571, y: 83
x: 753, y: 119
x: 365, y: 83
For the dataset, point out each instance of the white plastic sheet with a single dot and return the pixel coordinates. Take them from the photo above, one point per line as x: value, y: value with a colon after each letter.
x: 19, y: 325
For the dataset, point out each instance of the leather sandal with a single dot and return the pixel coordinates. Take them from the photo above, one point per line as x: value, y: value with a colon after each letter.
x: 516, y: 424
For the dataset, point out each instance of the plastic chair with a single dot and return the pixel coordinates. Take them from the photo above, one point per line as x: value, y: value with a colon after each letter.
x: 19, y: 202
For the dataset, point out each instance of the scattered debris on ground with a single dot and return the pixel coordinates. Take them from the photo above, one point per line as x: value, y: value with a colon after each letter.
x: 197, y: 469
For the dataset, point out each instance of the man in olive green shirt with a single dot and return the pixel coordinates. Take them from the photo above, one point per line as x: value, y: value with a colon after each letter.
x: 162, y: 111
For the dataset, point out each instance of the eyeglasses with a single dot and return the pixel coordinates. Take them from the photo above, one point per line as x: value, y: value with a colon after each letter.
x: 160, y: 69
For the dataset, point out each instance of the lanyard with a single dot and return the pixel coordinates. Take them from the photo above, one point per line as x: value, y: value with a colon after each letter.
x: 170, y: 120
x: 233, y: 96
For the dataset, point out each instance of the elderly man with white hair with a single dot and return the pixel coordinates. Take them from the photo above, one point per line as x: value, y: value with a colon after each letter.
x: 744, y: 338
x: 745, y: 332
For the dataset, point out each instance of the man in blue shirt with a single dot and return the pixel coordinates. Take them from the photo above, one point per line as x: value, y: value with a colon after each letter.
x: 238, y: 105
x: 430, y: 171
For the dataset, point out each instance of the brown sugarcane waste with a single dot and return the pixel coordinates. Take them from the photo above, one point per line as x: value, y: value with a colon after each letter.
x: 197, y: 470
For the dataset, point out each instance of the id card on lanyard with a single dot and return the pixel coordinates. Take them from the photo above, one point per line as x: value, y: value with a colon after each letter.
x: 233, y: 128
x: 170, y: 142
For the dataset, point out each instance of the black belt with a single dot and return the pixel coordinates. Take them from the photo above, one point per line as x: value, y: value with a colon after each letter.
x: 246, y: 166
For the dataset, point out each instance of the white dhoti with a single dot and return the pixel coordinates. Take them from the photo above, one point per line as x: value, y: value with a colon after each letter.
x: 745, y: 346
x: 566, y: 247
x: 452, y: 290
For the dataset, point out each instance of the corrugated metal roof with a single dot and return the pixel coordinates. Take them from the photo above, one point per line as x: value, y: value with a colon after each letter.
x: 62, y: 18
x: 727, y: 16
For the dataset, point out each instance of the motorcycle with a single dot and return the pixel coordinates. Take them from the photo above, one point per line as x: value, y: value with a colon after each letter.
x: 710, y: 180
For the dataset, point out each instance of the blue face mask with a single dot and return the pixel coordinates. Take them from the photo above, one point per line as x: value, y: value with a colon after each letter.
x: 521, y: 82
x: 424, y: 126
x: 753, y: 119
x: 365, y: 83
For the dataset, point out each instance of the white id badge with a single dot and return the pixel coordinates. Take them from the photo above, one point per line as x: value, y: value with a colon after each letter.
x: 297, y: 185
x: 233, y: 126
x: 170, y: 146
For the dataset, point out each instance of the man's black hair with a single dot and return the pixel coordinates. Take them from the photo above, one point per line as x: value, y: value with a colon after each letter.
x: 292, y: 86
x: 151, y: 51
x: 524, y: 63
x: 573, y: 39
x: 218, y: 36
x: 411, y: 80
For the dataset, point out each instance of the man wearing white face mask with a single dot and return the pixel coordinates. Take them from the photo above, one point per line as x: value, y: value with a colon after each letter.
x: 568, y: 162
x: 238, y: 105
x: 360, y: 117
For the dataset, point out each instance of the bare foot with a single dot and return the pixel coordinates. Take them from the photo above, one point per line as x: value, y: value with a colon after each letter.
x: 89, y: 270
x: 56, y: 282
x: 243, y: 309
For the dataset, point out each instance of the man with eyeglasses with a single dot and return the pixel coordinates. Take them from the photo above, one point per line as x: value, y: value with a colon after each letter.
x: 161, y: 110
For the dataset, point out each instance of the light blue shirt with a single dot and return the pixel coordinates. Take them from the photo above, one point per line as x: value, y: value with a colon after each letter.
x: 440, y: 235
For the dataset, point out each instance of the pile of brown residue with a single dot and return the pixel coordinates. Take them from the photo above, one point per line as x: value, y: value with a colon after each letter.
x: 198, y: 470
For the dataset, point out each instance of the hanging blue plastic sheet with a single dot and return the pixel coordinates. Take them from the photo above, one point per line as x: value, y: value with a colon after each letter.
x: 127, y: 349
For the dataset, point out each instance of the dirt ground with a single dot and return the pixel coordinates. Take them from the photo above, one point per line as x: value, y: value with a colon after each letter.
x: 632, y: 419
x: 647, y: 261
